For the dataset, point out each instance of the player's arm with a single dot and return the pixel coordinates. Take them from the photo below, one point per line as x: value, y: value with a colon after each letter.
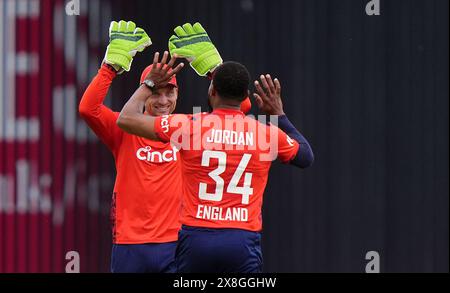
x: 131, y: 118
x: 125, y: 41
x: 100, y: 118
x: 268, y: 99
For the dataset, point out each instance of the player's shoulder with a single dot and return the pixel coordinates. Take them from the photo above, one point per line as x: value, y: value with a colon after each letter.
x: 176, y: 117
x: 264, y: 127
x: 259, y: 123
x: 199, y: 115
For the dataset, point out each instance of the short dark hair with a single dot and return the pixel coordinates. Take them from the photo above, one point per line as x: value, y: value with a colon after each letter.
x: 231, y: 81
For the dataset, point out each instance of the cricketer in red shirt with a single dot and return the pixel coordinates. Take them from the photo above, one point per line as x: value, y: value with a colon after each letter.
x: 147, y: 190
x: 226, y: 157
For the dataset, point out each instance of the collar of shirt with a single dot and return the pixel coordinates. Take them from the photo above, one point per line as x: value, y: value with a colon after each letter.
x: 226, y: 111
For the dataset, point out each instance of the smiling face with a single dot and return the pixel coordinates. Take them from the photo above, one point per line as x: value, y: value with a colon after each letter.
x: 162, y: 101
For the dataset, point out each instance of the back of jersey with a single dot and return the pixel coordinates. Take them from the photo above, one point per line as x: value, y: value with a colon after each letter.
x: 226, y: 158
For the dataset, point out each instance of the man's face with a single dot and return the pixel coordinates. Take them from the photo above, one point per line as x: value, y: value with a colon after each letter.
x: 163, y: 101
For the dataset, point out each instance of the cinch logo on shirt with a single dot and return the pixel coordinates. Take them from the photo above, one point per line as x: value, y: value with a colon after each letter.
x: 146, y: 154
x: 165, y: 123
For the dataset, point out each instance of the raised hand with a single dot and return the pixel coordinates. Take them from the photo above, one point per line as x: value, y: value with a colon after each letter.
x: 125, y: 40
x: 162, y: 72
x: 193, y: 43
x: 268, y: 95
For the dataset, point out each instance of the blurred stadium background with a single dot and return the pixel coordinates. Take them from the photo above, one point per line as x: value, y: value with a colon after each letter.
x: 370, y: 93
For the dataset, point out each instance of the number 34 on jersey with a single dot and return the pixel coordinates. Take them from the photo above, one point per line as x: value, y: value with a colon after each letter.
x: 231, y: 213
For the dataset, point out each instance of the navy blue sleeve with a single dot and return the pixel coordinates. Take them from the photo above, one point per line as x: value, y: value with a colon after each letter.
x: 305, y: 156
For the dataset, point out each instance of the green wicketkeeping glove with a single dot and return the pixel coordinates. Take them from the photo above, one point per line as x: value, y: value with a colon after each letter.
x: 125, y: 39
x: 193, y: 43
